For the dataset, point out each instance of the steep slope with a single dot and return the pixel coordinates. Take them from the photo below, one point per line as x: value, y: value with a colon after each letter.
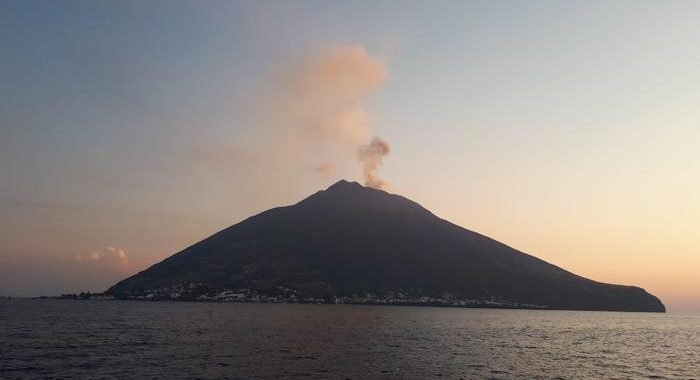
x: 350, y: 239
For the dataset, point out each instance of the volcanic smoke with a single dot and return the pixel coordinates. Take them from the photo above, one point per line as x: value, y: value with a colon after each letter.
x: 320, y: 112
x: 371, y: 156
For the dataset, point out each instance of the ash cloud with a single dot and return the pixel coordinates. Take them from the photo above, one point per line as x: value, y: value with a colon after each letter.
x: 371, y: 156
x: 318, y: 113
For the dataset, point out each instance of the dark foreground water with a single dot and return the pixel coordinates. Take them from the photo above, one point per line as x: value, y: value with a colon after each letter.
x: 141, y: 340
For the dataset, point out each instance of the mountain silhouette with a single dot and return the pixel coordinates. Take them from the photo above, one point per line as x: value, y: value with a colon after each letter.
x: 350, y: 240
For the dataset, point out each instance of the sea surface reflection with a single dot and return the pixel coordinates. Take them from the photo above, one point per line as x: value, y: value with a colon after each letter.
x: 170, y: 340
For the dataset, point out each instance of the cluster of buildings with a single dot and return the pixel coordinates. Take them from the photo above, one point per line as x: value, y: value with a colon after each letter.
x: 281, y: 294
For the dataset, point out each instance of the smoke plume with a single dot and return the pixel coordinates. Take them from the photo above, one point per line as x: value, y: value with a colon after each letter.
x: 319, y: 116
x: 371, y: 156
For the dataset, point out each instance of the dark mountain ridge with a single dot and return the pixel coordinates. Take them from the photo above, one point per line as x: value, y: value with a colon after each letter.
x: 365, y: 244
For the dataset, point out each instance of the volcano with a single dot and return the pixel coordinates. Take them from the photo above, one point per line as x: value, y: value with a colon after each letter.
x: 356, y: 244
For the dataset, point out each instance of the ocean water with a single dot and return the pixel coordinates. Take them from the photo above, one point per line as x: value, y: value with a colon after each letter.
x: 53, y: 339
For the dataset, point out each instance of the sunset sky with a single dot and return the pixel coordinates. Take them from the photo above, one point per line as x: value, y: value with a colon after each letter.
x: 568, y: 130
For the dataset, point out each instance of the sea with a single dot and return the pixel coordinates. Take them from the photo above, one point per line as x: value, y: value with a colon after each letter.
x: 71, y: 339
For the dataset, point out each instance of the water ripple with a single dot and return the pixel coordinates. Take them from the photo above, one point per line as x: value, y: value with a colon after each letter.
x: 124, y: 340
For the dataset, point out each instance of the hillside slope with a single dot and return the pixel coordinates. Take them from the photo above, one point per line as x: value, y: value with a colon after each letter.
x: 350, y: 240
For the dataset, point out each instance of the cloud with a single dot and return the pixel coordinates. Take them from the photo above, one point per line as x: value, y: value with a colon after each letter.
x: 325, y: 170
x: 106, y: 256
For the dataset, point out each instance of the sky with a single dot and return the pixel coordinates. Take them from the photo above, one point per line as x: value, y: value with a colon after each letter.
x: 130, y: 130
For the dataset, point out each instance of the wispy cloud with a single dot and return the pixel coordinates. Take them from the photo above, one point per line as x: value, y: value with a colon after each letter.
x: 325, y: 170
x: 107, y: 256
